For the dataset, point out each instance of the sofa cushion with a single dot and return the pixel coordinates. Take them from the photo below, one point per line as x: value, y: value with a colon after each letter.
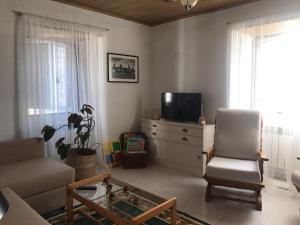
x: 35, y: 176
x: 234, y: 170
x: 237, y: 134
x: 19, y: 212
x: 21, y: 149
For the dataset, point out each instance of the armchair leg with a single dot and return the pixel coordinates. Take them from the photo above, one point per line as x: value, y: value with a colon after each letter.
x: 258, y: 201
x: 208, y: 193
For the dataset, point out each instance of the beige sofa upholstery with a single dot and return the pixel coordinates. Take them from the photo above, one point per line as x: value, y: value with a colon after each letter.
x: 18, y: 211
x: 39, y: 181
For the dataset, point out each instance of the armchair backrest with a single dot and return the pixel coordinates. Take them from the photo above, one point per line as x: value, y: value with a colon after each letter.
x: 238, y: 134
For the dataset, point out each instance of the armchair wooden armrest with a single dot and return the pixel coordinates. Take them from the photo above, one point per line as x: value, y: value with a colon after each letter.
x: 262, y: 156
x: 209, y: 154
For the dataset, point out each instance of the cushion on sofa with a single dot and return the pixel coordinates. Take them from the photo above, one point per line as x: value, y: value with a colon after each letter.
x: 35, y: 176
x: 21, y: 149
x: 234, y: 169
x: 19, y: 212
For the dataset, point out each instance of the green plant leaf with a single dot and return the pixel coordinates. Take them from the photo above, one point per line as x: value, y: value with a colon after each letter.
x: 88, y: 106
x: 44, y: 128
x: 48, y: 132
x: 63, y: 150
x: 75, y: 120
x: 88, y: 111
x: 59, y: 142
x: 72, y: 118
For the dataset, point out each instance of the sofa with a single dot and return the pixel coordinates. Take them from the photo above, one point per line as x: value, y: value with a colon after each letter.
x: 39, y: 181
x: 15, y: 210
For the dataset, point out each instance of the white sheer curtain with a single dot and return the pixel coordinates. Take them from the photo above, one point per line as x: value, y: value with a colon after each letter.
x: 265, y: 75
x: 59, y: 69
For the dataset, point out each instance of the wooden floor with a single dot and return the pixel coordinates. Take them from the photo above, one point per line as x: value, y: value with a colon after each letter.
x: 279, y: 205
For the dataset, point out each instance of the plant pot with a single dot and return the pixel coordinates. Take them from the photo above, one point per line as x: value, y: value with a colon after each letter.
x: 83, y: 163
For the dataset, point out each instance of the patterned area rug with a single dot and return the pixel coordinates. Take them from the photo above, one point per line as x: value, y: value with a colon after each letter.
x: 60, y: 217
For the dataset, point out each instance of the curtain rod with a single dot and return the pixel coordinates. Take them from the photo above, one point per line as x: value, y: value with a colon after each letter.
x: 19, y: 13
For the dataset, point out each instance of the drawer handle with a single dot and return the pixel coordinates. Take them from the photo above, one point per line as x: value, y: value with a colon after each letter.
x: 184, y: 139
x: 154, y: 133
x: 184, y: 130
x: 154, y: 125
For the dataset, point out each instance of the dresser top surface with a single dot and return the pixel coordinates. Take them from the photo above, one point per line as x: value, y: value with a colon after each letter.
x: 178, y: 123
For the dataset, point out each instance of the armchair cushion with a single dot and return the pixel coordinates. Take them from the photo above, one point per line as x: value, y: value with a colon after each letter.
x: 237, y: 134
x: 234, y: 170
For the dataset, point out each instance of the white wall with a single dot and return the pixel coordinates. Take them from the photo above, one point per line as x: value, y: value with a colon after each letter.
x: 125, y: 102
x: 190, y: 55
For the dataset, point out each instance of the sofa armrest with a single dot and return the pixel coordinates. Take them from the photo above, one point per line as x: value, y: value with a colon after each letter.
x: 209, y: 154
x: 19, y: 212
x: 21, y: 149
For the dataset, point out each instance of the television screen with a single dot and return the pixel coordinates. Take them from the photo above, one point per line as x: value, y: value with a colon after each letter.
x: 181, y: 107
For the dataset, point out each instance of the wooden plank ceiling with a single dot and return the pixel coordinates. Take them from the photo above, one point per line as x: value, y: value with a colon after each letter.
x: 152, y: 12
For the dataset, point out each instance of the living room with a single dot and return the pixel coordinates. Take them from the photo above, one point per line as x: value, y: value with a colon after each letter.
x: 198, y: 50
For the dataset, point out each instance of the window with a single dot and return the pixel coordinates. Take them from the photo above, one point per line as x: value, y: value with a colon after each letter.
x: 265, y: 71
x: 53, y: 76
x: 59, y: 68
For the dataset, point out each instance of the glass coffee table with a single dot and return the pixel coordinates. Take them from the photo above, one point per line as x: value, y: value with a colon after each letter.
x: 118, y: 202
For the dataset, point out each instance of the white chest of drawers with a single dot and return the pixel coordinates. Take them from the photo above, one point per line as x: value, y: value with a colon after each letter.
x: 178, y: 145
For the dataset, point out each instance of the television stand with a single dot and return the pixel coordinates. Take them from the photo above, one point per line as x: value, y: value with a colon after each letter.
x: 178, y: 145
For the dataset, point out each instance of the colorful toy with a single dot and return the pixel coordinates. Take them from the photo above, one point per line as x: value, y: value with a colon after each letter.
x: 112, y: 153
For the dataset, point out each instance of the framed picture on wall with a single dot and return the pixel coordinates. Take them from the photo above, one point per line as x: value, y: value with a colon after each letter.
x: 122, y: 68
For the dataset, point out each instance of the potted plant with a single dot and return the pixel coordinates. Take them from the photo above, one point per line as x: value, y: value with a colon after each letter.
x: 78, y: 153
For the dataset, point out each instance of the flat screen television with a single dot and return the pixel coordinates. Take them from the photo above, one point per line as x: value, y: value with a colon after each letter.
x: 181, y: 107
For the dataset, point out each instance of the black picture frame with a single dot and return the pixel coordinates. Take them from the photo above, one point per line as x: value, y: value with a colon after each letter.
x: 122, y: 68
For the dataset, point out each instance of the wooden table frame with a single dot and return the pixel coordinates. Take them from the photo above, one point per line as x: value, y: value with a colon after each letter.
x: 71, y: 195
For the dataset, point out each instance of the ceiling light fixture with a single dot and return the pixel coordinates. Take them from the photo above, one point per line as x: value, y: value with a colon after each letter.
x: 187, y: 4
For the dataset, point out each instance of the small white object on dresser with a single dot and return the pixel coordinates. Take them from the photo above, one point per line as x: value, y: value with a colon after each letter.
x: 178, y: 145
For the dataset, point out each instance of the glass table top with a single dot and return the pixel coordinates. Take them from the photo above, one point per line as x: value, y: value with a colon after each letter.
x: 121, y: 199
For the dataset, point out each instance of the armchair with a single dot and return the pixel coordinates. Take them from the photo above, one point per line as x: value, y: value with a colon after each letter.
x: 236, y: 160
x: 296, y: 178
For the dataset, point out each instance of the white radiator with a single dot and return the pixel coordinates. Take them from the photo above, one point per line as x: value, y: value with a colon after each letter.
x: 278, y: 145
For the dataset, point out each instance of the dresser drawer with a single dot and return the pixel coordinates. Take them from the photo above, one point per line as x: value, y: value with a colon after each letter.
x: 152, y: 124
x: 187, y: 130
x: 156, y: 134
x: 186, y: 139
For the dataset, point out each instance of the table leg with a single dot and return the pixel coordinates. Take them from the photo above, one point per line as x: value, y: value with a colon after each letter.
x: 173, y: 215
x: 70, y: 207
